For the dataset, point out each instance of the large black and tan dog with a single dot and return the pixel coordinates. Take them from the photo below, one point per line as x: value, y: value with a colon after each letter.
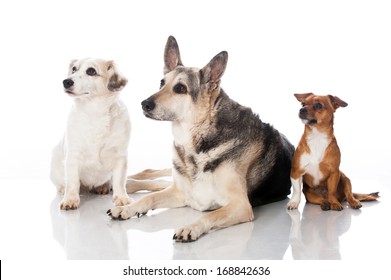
x: 225, y: 159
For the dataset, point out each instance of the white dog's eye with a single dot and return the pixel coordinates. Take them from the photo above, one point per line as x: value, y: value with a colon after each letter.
x: 91, y: 71
x: 74, y: 69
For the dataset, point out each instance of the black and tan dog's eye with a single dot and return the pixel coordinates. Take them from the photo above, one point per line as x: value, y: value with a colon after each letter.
x: 91, y: 71
x: 74, y: 69
x: 317, y: 106
x: 180, y: 88
x: 162, y: 83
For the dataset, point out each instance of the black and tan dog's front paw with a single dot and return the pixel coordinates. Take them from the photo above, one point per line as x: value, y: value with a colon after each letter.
x: 119, y: 213
x: 124, y: 213
x: 186, y: 235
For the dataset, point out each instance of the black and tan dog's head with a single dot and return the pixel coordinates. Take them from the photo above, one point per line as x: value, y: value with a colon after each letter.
x: 318, y: 109
x: 185, y: 92
x: 93, y: 77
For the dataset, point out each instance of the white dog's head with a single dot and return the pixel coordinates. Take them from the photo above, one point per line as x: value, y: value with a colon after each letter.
x: 93, y: 77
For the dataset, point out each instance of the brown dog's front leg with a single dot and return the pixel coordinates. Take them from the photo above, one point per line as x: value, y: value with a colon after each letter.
x: 332, y: 196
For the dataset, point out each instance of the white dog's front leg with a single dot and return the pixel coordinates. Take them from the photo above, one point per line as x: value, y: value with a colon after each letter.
x: 296, y: 195
x: 71, y: 198
x: 120, y: 197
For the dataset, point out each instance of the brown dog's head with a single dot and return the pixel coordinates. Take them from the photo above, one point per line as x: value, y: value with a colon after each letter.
x: 318, y: 109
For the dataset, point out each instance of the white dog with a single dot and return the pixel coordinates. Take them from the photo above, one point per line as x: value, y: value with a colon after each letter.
x: 93, y: 152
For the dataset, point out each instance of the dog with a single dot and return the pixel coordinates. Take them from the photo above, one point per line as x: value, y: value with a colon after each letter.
x: 93, y: 152
x: 225, y: 159
x: 317, y: 158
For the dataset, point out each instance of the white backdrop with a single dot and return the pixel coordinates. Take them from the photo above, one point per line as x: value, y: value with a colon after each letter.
x: 276, y: 48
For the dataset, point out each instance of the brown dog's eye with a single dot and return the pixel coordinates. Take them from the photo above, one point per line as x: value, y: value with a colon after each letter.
x: 91, y: 71
x: 162, y: 83
x: 74, y: 69
x: 302, y: 104
x: 317, y: 106
x: 179, y: 88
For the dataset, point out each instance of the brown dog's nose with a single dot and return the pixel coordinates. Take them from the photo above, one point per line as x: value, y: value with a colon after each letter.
x: 67, y: 83
x: 303, y: 112
x: 148, y: 105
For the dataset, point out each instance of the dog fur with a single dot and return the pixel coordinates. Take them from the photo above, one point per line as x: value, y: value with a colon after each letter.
x: 93, y: 151
x: 317, y: 158
x: 225, y: 159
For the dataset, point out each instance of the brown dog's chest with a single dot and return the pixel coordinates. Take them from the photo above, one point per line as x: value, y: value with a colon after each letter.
x: 315, y: 157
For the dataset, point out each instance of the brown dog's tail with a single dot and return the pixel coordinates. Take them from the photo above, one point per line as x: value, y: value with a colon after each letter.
x: 366, y: 197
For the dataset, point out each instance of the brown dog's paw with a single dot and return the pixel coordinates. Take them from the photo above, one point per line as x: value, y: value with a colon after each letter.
x: 336, y: 206
x: 325, y: 206
x: 355, y: 204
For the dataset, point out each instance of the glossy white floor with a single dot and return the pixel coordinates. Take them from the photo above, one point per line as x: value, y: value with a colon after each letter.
x: 34, y: 227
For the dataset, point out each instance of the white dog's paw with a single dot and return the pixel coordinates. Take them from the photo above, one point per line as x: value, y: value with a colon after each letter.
x: 187, y: 234
x: 121, y: 201
x: 70, y: 203
x: 293, y: 204
x: 124, y: 212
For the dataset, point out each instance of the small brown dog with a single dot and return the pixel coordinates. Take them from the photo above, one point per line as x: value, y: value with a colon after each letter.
x: 317, y: 158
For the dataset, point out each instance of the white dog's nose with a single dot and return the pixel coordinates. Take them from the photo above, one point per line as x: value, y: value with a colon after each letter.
x: 67, y: 83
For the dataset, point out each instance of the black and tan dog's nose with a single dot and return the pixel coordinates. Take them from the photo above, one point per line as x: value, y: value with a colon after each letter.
x: 67, y: 83
x: 148, y: 105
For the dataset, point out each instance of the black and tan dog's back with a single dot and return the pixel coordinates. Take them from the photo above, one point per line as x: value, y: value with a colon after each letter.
x: 225, y: 158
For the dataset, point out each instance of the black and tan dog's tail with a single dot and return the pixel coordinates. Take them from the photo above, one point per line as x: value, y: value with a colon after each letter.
x: 366, y: 197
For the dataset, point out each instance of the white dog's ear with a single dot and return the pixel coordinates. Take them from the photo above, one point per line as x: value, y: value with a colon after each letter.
x: 214, y: 70
x: 116, y: 81
x: 172, y: 57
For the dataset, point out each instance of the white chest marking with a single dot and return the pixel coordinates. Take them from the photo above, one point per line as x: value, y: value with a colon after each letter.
x: 318, y: 143
x: 202, y: 190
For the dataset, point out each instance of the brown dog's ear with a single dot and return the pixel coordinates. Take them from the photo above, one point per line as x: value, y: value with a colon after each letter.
x: 301, y: 97
x: 213, y: 71
x: 337, y: 102
x: 172, y: 57
x: 116, y: 81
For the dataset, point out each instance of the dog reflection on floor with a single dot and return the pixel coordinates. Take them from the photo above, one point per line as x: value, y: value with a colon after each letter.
x: 316, y: 235
x: 85, y: 235
x: 82, y: 233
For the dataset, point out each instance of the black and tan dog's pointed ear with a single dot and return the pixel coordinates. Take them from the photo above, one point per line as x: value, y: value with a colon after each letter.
x: 116, y: 80
x: 172, y: 57
x: 214, y: 70
x: 301, y: 97
x: 337, y: 102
